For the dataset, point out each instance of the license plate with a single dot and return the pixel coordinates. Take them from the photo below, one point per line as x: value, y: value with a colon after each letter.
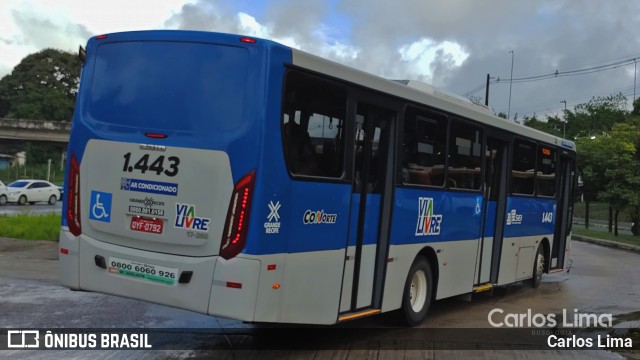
x: 147, y: 225
x: 143, y: 271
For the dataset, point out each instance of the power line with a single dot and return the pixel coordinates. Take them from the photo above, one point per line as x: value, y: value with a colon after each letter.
x: 556, y: 74
x: 554, y: 106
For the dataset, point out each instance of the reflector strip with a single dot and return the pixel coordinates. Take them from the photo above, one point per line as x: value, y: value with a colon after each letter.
x: 482, y: 288
x: 359, y: 315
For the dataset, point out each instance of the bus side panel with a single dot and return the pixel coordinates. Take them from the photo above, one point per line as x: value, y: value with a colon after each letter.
x: 235, y: 288
x: 528, y: 221
x: 396, y: 275
x: 317, y: 220
x: 448, y: 222
x: 311, y: 287
x: 269, y: 288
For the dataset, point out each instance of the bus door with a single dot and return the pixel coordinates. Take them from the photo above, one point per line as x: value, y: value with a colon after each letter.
x: 495, y: 199
x: 371, y: 203
x: 564, y: 211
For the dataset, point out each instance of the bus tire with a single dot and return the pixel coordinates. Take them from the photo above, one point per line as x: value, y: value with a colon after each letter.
x: 418, y: 290
x: 538, y: 268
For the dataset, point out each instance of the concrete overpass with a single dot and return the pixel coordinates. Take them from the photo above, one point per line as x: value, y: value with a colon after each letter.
x: 35, y: 130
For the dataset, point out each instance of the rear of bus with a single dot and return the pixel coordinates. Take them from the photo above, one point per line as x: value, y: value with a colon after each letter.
x: 162, y: 163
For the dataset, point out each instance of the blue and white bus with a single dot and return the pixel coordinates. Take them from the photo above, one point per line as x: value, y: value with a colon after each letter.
x: 238, y: 177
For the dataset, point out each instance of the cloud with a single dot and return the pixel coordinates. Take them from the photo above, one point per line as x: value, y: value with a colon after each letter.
x: 317, y: 28
x: 452, y: 44
x: 39, y: 32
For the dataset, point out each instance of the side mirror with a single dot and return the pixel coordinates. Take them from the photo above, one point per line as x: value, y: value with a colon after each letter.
x: 82, y: 54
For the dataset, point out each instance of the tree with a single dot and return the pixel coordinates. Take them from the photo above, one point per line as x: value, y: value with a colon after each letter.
x: 552, y: 125
x: 636, y: 108
x: 611, y: 162
x: 596, y: 117
x: 42, y: 87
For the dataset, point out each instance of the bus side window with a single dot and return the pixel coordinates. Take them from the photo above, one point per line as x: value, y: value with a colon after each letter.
x: 312, y: 126
x: 523, y: 167
x: 464, y: 156
x: 424, y: 145
x: 546, y: 176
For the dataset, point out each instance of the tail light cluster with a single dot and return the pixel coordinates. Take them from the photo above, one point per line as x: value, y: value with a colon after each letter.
x: 73, y: 197
x: 234, y: 236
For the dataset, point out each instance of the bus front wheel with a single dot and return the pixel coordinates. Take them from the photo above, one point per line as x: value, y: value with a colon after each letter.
x: 538, y: 267
x: 417, y: 292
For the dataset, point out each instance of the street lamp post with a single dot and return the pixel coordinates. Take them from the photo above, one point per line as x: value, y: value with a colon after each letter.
x: 564, y: 120
x: 510, y: 85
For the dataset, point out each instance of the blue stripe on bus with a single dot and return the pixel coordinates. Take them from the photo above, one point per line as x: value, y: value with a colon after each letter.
x: 423, y: 216
x: 527, y: 216
x: 490, y: 226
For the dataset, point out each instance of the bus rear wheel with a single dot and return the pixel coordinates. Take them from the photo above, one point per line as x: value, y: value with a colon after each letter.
x: 538, y: 268
x: 417, y: 292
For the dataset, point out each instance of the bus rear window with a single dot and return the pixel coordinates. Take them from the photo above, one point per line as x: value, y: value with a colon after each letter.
x: 175, y: 86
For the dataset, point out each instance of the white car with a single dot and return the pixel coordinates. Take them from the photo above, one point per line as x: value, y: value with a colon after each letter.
x: 32, y: 191
x: 3, y: 193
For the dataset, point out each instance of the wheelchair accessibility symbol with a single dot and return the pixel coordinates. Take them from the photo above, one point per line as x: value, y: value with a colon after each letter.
x: 100, y: 207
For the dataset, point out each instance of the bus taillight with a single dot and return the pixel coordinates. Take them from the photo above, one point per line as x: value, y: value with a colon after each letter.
x: 237, y: 223
x: 73, y: 193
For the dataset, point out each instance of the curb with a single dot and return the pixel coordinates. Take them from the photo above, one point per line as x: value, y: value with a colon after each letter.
x: 607, y: 243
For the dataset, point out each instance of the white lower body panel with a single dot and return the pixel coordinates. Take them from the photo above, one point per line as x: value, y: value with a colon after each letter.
x: 518, y: 256
x: 456, y: 269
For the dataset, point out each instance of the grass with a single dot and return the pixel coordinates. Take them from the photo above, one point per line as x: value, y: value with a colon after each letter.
x: 598, y: 211
x: 605, y: 235
x: 30, y: 227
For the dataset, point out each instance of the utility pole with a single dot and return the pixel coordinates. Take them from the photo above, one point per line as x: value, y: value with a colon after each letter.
x: 564, y: 118
x: 486, y: 93
x: 510, y: 84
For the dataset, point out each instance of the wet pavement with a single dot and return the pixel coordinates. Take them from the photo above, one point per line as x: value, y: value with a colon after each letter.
x: 601, y: 280
x: 35, y: 209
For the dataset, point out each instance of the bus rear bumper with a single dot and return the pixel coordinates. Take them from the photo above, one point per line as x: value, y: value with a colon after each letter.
x: 174, y: 280
x: 215, y: 286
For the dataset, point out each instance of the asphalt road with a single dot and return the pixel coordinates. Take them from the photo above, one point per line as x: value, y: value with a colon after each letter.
x: 35, y: 209
x: 601, y: 280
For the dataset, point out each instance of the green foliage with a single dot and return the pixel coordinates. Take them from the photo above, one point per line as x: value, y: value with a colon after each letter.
x: 41, y: 152
x: 607, y: 137
x: 42, y: 87
x: 29, y: 227
x: 611, y: 165
x: 38, y: 171
x: 553, y: 125
x: 636, y: 108
x: 596, y: 117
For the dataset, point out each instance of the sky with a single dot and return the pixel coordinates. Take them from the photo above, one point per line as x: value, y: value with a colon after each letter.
x: 450, y: 44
